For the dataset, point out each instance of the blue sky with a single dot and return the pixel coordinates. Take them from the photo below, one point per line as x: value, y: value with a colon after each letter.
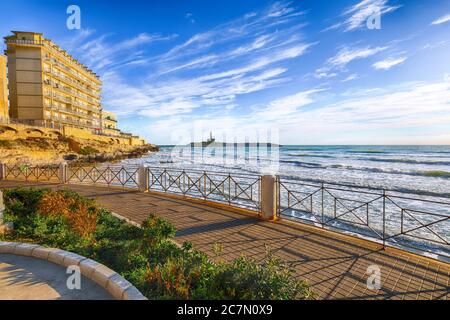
x: 310, y: 72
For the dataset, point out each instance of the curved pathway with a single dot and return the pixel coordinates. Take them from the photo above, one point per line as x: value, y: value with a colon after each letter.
x: 26, y: 278
x: 335, y: 265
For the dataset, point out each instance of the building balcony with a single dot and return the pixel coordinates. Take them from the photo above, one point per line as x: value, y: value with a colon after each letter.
x: 71, y: 82
x: 58, y: 97
x: 24, y: 41
x: 72, y: 122
x: 69, y: 100
x: 68, y: 111
x: 72, y: 72
x: 86, y: 107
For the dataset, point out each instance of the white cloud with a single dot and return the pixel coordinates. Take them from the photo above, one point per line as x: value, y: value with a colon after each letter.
x: 304, y: 117
x: 231, y: 59
x: 347, y: 55
x: 350, y: 77
x: 324, y: 73
x: 344, y: 57
x: 356, y: 16
x: 101, y: 55
x: 286, y: 106
x: 181, y: 96
x: 414, y: 105
x: 190, y: 17
x: 248, y: 26
x: 258, y: 43
x: 175, y: 107
x: 388, y: 63
x: 279, y: 9
x: 441, y: 20
x: 201, y: 61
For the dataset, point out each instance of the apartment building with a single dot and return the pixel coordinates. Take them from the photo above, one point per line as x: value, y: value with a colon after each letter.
x: 109, y: 123
x: 109, y: 120
x: 4, y: 110
x: 47, y: 86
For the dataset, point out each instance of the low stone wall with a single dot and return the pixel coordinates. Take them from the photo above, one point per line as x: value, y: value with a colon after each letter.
x: 110, y: 280
x: 21, y: 131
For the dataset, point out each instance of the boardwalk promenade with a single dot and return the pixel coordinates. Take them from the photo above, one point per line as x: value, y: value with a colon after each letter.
x: 334, y: 264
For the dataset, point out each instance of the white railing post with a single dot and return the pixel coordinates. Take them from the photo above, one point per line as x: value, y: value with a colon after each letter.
x: 2, y: 171
x: 143, y: 179
x: 269, y: 197
x: 62, y: 173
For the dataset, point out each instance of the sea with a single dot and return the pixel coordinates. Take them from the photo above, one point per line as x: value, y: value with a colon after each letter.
x: 417, y: 177
x: 416, y: 169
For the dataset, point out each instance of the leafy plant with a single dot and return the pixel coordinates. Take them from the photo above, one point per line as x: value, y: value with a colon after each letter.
x: 79, y: 213
x: 23, y: 201
x: 88, y: 150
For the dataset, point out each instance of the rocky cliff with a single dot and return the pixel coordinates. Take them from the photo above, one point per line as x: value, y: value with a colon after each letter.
x: 36, y: 151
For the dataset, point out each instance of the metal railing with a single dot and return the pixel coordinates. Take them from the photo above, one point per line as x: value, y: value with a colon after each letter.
x: 67, y: 80
x: 31, y: 173
x: 104, y: 175
x: 240, y: 190
x: 67, y: 110
x: 24, y: 41
x: 34, y: 123
x: 418, y: 222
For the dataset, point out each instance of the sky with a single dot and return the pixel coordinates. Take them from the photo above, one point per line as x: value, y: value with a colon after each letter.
x: 292, y: 72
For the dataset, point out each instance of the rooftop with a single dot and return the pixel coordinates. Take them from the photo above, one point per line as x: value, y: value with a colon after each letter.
x: 44, y: 41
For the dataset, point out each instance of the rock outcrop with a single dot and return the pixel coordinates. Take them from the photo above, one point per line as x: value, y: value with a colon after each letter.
x: 37, y: 151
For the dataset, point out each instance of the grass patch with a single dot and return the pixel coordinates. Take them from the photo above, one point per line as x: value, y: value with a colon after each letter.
x: 145, y: 256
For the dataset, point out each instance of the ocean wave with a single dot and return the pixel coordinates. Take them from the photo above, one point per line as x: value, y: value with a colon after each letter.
x: 424, y: 173
x: 310, y: 155
x: 366, y: 151
x: 408, y: 161
x: 302, y: 163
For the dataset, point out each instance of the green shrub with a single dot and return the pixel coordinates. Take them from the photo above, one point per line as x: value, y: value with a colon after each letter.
x: 78, y: 212
x: 86, y: 151
x: 245, y: 279
x: 23, y: 201
x: 5, y: 144
x: 41, y: 143
x: 156, y: 231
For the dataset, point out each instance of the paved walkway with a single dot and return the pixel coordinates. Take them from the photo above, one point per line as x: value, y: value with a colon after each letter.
x: 335, y: 266
x: 26, y: 278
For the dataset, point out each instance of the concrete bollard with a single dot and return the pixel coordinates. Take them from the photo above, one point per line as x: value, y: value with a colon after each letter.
x: 143, y: 179
x: 268, y: 197
x: 62, y: 173
x: 2, y: 171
